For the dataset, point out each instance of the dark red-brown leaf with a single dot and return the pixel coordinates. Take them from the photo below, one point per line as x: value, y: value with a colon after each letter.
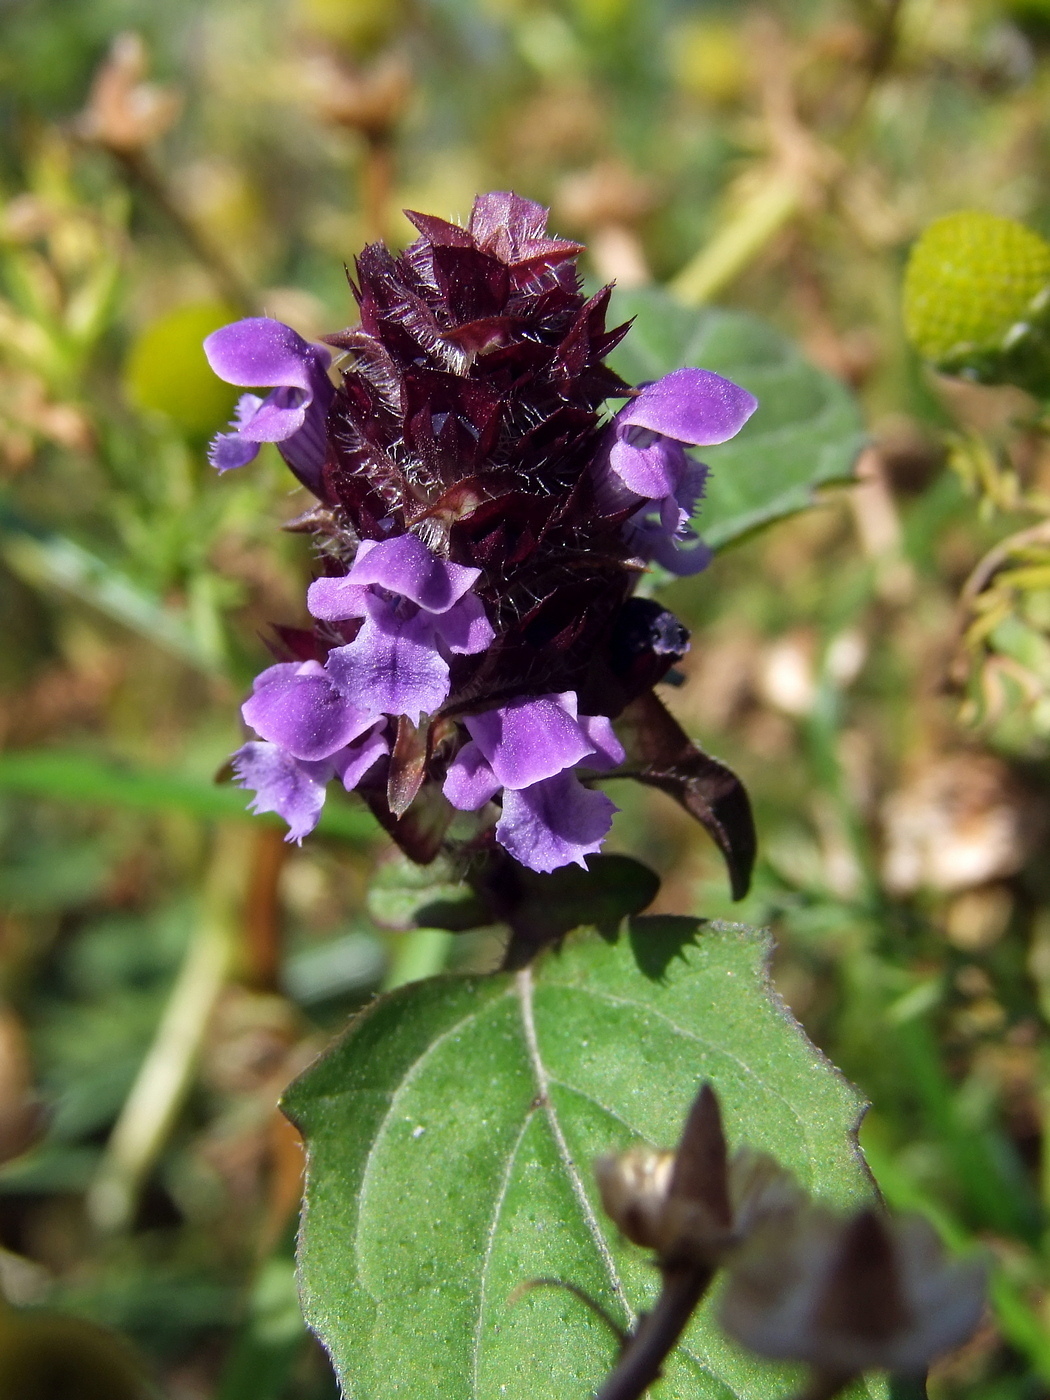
x: 661, y: 754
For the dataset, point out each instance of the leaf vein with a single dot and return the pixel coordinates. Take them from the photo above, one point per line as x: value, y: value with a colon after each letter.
x: 700, y: 1040
x: 523, y: 981
x: 700, y: 1361
x: 490, y: 1239
x: 382, y: 1128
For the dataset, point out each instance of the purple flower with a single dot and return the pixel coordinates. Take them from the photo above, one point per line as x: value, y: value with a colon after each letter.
x: 467, y: 412
x: 660, y: 531
x: 645, y: 459
x: 554, y: 823
x: 416, y: 610
x: 529, y: 748
x: 298, y: 707
x: 262, y: 353
x: 293, y: 787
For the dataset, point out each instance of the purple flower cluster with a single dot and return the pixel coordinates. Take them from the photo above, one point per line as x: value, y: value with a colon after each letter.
x: 527, y: 750
x: 480, y: 528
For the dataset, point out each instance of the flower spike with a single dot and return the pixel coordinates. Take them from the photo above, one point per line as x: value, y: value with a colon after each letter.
x: 483, y: 523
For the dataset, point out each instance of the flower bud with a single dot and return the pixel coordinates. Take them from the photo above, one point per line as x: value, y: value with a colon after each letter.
x: 853, y: 1293
x: 695, y: 1205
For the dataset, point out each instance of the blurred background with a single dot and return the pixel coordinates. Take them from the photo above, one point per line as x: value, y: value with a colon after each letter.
x: 167, y: 964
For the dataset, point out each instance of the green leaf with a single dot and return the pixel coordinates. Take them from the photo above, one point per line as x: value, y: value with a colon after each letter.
x: 451, y: 1134
x: 52, y: 563
x: 541, y: 907
x: 84, y: 777
x: 806, y: 432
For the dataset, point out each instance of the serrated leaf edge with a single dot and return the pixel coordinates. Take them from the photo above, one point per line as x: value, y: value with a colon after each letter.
x: 521, y: 989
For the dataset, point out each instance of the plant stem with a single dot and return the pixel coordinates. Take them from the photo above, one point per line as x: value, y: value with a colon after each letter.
x: 166, y: 1073
x: 262, y: 910
x: 229, y: 282
x: 657, y: 1334
x: 377, y: 178
x: 771, y: 205
x: 421, y: 952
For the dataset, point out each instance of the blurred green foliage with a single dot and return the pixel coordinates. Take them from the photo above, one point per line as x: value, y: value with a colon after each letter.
x: 889, y: 717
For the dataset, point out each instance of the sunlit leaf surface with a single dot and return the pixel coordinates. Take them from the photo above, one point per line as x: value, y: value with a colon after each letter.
x: 451, y: 1135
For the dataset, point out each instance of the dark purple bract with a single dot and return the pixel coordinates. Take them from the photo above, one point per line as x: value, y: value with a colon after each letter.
x: 481, y: 526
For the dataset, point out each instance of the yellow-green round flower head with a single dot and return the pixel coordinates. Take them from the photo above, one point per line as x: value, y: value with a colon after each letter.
x: 971, y: 279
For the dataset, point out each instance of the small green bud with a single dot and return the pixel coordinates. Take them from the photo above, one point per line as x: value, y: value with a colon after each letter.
x: 976, y: 292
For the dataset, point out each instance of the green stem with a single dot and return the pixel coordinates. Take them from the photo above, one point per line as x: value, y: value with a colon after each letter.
x: 165, y: 1075
x: 760, y: 217
x: 421, y: 953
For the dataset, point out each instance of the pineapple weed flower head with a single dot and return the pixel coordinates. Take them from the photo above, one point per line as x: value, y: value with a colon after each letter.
x: 481, y: 528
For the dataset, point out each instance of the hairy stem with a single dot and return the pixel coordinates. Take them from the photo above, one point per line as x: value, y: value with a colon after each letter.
x: 657, y: 1334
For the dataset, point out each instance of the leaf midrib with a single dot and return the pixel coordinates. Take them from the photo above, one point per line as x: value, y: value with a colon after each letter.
x: 524, y: 988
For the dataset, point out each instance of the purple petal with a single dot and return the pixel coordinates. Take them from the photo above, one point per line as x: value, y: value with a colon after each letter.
x: 335, y: 599
x: 283, y: 784
x: 607, y: 751
x: 554, y: 823
x: 470, y: 782
x: 353, y: 763
x: 404, y: 565
x: 690, y: 487
x: 392, y: 666
x: 684, y: 555
x: 305, y: 451
x: 646, y: 463
x: 680, y: 550
x: 691, y: 405
x: 659, y: 530
x: 262, y: 353
x: 532, y: 739
x: 278, y: 416
x: 298, y: 707
x: 283, y: 671
x: 246, y: 407
x: 229, y: 450
x: 464, y: 629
